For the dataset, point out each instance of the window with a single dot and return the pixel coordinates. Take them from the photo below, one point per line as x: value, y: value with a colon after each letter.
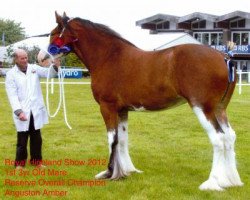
x: 163, y: 25
x: 239, y: 23
x: 199, y: 25
x: 241, y: 38
x: 202, y: 24
x: 220, y: 42
x: 166, y: 25
x: 207, y: 38
x: 197, y: 36
x: 214, y: 38
x: 195, y: 25
x: 236, y: 38
x: 244, y: 38
x: 233, y: 24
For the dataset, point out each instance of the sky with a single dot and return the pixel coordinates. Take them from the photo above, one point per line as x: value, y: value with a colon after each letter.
x: 38, y: 17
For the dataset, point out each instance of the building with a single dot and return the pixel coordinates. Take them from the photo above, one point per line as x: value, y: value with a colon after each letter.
x: 211, y: 30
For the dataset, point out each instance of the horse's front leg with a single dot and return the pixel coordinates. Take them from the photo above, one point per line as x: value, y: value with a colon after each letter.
x: 115, y: 169
x: 123, y: 143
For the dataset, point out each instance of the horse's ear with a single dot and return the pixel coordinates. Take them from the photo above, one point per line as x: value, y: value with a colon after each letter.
x: 64, y: 15
x: 58, y: 19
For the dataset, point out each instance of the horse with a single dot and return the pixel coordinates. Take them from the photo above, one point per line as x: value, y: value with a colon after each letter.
x: 126, y: 78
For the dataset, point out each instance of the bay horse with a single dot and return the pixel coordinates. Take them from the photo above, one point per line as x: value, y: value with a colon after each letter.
x: 126, y: 78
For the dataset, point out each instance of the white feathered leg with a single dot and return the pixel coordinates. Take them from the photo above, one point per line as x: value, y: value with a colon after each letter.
x: 121, y: 161
x: 116, y: 168
x: 217, y: 178
x: 231, y: 169
x: 123, y: 148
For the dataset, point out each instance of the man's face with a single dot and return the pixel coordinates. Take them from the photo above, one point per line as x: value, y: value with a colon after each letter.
x: 22, y: 60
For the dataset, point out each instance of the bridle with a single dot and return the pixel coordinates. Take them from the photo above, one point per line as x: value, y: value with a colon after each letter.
x: 58, y: 46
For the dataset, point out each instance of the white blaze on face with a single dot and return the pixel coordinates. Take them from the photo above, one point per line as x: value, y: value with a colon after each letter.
x: 62, y: 32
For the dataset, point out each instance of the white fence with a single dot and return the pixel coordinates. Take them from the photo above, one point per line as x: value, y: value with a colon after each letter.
x: 240, y: 84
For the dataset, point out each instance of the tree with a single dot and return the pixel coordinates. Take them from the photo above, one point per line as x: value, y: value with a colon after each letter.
x: 8, y: 55
x: 11, y: 32
x: 72, y: 60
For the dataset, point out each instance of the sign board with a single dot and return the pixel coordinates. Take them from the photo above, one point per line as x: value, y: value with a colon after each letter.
x: 72, y: 73
x: 238, y: 49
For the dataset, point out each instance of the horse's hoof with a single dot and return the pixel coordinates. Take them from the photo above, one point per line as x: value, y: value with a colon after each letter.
x: 210, y: 184
x: 103, y: 175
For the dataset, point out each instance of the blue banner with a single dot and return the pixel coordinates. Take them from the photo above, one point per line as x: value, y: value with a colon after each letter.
x: 238, y: 49
x: 72, y: 73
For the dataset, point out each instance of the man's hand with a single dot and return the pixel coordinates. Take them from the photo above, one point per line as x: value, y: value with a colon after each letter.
x: 57, y: 62
x: 22, y: 116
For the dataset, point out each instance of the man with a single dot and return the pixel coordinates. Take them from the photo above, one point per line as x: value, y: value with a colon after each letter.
x: 29, y: 112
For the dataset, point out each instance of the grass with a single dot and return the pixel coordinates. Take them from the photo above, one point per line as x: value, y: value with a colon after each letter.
x: 169, y: 146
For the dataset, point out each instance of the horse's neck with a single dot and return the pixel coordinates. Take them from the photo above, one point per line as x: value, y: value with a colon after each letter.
x: 96, y: 49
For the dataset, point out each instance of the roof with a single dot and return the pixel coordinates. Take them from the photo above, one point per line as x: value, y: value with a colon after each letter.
x: 157, y: 18
x: 197, y: 15
x: 234, y: 15
x: 184, y: 22
x: 187, y: 18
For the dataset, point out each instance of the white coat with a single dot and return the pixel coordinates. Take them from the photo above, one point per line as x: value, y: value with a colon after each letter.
x: 24, y: 92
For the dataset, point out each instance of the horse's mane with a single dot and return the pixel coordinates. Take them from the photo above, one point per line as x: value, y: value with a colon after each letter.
x: 102, y: 28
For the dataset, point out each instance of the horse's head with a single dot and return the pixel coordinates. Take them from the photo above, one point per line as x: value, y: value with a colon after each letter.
x: 61, y: 37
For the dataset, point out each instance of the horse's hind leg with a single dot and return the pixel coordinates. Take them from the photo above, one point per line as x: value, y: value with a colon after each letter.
x: 229, y: 140
x: 216, y: 138
x: 218, y: 178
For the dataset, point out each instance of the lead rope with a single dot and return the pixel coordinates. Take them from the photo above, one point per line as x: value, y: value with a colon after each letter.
x: 61, y: 95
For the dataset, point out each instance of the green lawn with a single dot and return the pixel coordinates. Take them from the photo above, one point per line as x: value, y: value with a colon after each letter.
x: 169, y: 146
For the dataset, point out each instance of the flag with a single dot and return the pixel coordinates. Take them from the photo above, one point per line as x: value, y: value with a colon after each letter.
x: 3, y: 39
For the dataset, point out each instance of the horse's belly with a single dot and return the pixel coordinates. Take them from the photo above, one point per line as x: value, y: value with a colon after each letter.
x: 158, y: 105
